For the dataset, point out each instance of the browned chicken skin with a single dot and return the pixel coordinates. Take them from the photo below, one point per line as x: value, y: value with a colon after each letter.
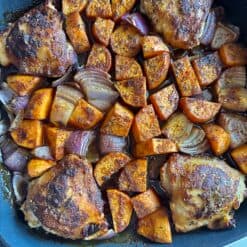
x: 66, y: 201
x: 37, y: 44
x: 203, y: 191
x: 180, y: 21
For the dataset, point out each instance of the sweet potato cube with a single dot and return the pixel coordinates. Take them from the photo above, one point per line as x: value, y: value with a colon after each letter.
x: 187, y: 81
x: 121, y: 7
x: 133, y: 91
x: 165, y: 101
x: 100, y: 58
x: 108, y: 165
x: 207, y: 68
x: 118, y: 121
x: 85, y: 116
x: 127, y: 68
x: 218, y: 138
x: 146, y: 203
x: 121, y: 209
x: 133, y: 177
x: 153, y: 46
x: 24, y: 84
x: 36, y: 167
x: 233, y: 54
x: 156, y: 227
x: 29, y: 134
x: 99, y: 8
x: 154, y: 146
x: 76, y: 31
x: 145, y: 124
x: 71, y: 6
x: 40, y: 104
x: 56, y: 139
x: 240, y: 157
x: 102, y: 30
x: 156, y: 69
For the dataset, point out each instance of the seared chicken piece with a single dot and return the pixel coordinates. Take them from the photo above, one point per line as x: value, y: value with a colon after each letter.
x: 180, y: 21
x: 37, y: 44
x: 203, y: 191
x: 66, y: 201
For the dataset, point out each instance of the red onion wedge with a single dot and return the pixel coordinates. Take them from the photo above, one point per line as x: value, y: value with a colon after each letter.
x: 6, y: 94
x: 19, y: 184
x: 66, y: 77
x: 43, y: 152
x: 16, y: 122
x: 3, y: 127
x: 108, y: 235
x: 138, y: 21
x: 18, y: 103
x: 199, y: 149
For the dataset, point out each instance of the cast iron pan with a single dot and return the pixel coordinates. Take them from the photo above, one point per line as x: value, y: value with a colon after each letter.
x: 15, y: 232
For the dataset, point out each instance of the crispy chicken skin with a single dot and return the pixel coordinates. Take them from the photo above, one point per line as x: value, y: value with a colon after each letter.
x: 203, y: 191
x: 37, y: 44
x: 66, y: 201
x: 180, y: 21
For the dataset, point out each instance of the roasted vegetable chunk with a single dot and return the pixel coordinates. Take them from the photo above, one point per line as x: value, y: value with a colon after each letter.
x: 145, y: 203
x: 156, y: 227
x: 187, y: 81
x: 24, y: 84
x: 4, y: 58
x: 121, y: 209
x: 199, y: 111
x: 70, y: 6
x: 165, y: 101
x: 121, y: 7
x: 40, y: 104
x: 218, y: 138
x: 156, y: 69
x: 154, y: 147
x: 108, y: 165
x: 207, y: 68
x: 100, y: 58
x: 133, y: 91
x: 99, y: 8
x: 133, y: 177
x: 36, y: 167
x: 118, y: 121
x: 127, y: 68
x: 126, y: 41
x: 240, y: 157
x: 102, y: 30
x: 56, y: 139
x: 29, y: 134
x: 76, y: 30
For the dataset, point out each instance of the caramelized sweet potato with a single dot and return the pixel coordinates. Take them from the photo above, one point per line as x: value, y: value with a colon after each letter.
x: 187, y: 81
x: 233, y: 54
x: 99, y: 8
x: 156, y: 69
x: 154, y: 146
x: 76, y: 31
x: 40, y: 104
x: 145, y: 203
x: 70, y: 6
x: 29, y: 134
x: 108, y: 165
x: 218, y: 138
x: 199, y: 111
x: 121, y: 7
x: 133, y: 91
x: 36, y: 167
x: 153, y: 46
x: 121, y: 209
x: 165, y: 101
x: 118, y: 121
x: 56, y: 139
x: 240, y: 157
x: 127, y: 68
x: 156, y: 227
x: 207, y: 68
x: 126, y: 41
x: 102, y: 30
x: 133, y: 177
x: 100, y: 58
x: 24, y: 84
x: 145, y: 124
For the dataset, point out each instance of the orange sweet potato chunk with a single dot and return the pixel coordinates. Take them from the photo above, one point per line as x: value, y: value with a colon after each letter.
x: 121, y: 7
x: 239, y: 155
x: 36, y: 167
x: 99, y: 8
x: 70, y: 6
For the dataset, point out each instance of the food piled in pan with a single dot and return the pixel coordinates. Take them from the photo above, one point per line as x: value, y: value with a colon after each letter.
x: 104, y: 99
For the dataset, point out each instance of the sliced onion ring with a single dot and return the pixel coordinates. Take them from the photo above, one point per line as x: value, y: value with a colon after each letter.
x: 19, y: 184
x: 199, y: 149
